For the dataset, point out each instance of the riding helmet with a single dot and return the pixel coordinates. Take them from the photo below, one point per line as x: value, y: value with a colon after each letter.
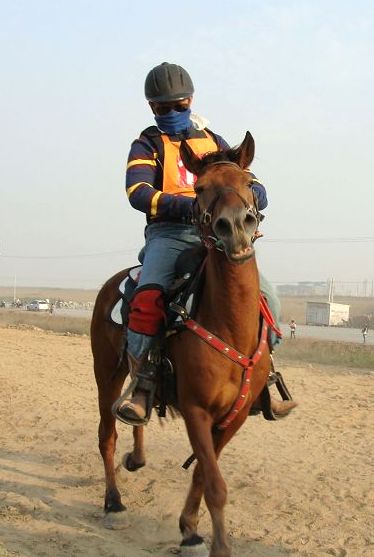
x: 168, y: 82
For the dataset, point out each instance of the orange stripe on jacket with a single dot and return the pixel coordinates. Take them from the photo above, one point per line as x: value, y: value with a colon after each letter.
x: 177, y: 179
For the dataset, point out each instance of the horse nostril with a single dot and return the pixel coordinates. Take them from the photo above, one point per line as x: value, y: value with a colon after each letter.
x: 249, y: 221
x: 222, y: 227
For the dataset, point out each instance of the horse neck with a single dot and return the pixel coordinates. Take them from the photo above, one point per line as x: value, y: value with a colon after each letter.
x: 230, y: 301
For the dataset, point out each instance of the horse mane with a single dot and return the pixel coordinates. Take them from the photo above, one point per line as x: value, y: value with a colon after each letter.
x: 216, y: 156
x: 228, y: 155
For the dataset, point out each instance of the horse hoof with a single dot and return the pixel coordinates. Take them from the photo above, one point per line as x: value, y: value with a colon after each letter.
x: 194, y: 547
x: 116, y: 521
x: 129, y: 463
x: 200, y: 550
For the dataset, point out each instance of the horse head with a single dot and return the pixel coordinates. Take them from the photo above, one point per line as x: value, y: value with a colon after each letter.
x: 225, y: 208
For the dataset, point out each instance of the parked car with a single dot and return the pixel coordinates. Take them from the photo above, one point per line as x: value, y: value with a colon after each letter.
x: 38, y: 305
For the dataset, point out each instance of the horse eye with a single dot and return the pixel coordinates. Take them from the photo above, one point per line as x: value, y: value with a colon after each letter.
x: 199, y: 190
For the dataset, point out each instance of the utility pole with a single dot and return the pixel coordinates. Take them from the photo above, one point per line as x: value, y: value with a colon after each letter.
x: 331, y: 291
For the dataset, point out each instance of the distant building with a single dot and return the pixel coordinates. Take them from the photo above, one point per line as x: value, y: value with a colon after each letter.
x: 304, y: 288
x: 326, y: 313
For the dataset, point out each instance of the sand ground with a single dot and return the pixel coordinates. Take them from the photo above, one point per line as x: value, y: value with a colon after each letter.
x: 302, y: 486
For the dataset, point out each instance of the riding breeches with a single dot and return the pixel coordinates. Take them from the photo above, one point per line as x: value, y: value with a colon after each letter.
x: 164, y: 242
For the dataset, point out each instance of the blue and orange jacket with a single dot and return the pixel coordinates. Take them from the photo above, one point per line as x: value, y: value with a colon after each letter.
x: 158, y: 184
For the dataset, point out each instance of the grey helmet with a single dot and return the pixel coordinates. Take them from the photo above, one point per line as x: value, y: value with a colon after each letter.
x: 168, y: 82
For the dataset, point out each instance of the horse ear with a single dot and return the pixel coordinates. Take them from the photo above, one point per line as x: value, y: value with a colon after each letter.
x: 190, y: 160
x: 244, y: 154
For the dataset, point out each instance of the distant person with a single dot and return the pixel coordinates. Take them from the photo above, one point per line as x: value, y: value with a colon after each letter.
x: 292, y: 328
x: 51, y: 308
x: 365, y: 331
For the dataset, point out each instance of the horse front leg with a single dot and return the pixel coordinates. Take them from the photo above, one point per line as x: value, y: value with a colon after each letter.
x: 207, y: 479
x: 219, y: 541
x: 215, y: 492
x: 189, y: 517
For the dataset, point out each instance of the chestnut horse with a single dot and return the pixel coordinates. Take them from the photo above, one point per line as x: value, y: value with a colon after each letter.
x: 208, y: 383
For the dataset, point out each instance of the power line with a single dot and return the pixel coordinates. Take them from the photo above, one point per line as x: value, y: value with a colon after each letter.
x: 327, y: 240
x: 72, y: 256
x: 321, y: 283
x: 361, y: 239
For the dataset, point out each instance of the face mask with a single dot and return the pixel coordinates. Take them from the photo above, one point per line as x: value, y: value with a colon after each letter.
x: 174, y: 122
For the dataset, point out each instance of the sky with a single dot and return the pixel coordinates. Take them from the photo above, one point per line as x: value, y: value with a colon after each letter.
x: 298, y: 74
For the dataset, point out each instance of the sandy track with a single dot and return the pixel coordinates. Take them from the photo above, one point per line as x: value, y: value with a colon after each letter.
x: 301, y: 486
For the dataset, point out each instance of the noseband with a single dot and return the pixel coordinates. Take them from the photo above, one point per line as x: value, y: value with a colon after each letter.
x: 204, y: 219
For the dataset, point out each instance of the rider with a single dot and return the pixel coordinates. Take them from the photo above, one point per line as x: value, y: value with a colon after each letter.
x: 158, y: 184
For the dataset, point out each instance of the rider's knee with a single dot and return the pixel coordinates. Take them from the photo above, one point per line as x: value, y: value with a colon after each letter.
x: 147, y: 310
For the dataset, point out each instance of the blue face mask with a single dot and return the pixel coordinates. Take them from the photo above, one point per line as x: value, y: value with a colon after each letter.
x: 174, y: 122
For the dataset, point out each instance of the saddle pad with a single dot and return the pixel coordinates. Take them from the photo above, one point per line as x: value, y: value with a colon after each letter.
x: 115, y: 314
x: 133, y: 278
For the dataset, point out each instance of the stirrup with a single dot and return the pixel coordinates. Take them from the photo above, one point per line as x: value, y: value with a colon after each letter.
x: 275, y: 378
x: 141, y: 381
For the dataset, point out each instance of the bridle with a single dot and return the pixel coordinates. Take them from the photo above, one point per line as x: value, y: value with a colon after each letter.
x: 203, y: 219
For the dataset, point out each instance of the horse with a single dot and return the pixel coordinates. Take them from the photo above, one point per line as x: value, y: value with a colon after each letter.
x: 214, y: 399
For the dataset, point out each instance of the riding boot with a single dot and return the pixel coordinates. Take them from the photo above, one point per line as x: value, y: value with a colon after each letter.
x: 281, y: 408
x: 278, y: 408
x: 137, y: 410
x: 273, y: 408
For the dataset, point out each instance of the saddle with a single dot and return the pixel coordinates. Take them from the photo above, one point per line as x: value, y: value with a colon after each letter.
x: 182, y: 301
x: 184, y: 290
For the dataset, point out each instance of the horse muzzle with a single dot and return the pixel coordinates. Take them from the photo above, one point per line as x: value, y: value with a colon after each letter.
x: 235, y: 233
x: 240, y: 256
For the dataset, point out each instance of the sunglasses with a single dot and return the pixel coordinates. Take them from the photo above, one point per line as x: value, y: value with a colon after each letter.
x: 162, y: 109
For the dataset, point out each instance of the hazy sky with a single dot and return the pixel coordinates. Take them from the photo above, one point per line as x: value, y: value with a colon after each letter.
x: 298, y: 74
